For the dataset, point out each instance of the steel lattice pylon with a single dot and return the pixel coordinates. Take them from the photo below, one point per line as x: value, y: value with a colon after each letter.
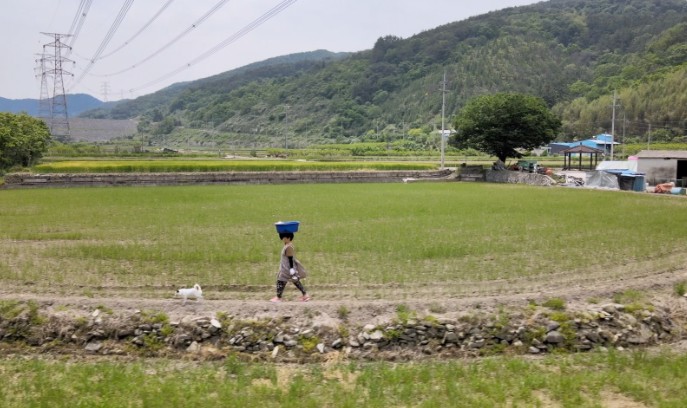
x: 52, y: 68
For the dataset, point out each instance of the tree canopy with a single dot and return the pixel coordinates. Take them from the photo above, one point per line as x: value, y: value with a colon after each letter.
x: 499, y: 124
x: 23, y: 140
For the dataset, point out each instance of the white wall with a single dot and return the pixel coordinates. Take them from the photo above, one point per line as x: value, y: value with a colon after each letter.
x: 658, y: 170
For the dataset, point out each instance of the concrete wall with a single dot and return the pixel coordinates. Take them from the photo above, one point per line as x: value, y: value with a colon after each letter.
x: 658, y: 170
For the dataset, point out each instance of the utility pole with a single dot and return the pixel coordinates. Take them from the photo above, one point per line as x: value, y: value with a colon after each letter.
x: 286, y: 130
x: 443, y: 111
x: 613, y: 124
x: 59, y: 117
x: 623, y: 141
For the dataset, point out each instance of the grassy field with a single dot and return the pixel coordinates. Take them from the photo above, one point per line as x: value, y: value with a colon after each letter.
x: 628, y: 380
x: 379, y: 241
x: 454, y: 236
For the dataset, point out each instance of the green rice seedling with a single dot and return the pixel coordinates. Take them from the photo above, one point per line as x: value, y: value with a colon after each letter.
x: 680, y: 288
x: 438, y: 239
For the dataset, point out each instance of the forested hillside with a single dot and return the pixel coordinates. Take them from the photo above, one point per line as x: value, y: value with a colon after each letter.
x: 572, y: 53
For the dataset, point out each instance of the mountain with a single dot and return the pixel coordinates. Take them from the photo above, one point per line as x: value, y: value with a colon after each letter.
x: 76, y: 104
x: 572, y: 53
x: 282, y: 66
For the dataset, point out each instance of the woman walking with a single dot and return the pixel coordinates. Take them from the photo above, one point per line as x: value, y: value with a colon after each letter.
x: 290, y: 269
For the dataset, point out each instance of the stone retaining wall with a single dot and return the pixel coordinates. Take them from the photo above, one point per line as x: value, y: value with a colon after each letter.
x: 524, y: 331
x: 518, y: 177
x: 18, y: 180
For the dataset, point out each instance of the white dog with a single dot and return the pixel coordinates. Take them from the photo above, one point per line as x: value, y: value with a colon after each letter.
x: 194, y: 292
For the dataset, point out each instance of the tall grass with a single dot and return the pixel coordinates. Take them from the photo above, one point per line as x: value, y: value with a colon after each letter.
x: 589, y: 380
x: 454, y: 236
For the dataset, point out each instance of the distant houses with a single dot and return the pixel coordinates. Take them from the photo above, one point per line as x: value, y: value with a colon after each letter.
x: 603, y: 142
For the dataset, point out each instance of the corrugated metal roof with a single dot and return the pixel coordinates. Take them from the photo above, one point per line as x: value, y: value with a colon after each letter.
x: 662, y: 154
x: 582, y: 149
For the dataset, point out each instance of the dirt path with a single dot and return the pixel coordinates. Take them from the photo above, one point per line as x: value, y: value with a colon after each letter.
x: 356, y: 304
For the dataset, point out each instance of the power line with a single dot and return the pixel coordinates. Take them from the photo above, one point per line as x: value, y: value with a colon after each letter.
x: 113, y: 29
x: 146, y: 25
x: 173, y: 41
x: 229, y: 40
x: 77, y: 23
x: 54, y: 14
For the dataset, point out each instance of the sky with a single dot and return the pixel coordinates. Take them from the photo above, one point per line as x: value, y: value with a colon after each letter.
x: 120, y: 51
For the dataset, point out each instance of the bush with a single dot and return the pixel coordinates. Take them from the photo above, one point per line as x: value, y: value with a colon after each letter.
x: 23, y: 140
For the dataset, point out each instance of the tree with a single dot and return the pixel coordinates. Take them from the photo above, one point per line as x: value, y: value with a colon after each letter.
x: 501, y: 123
x: 23, y: 140
x: 165, y: 127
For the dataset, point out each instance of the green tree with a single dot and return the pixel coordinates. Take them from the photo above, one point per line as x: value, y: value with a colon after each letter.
x: 23, y: 140
x: 165, y: 127
x: 499, y: 124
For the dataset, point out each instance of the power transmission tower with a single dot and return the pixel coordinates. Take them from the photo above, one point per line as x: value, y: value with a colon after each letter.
x: 105, y: 89
x: 44, y: 106
x: 59, y: 116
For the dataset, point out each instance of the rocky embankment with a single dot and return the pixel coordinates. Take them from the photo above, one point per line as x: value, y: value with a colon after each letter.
x: 25, y: 327
x: 30, y: 180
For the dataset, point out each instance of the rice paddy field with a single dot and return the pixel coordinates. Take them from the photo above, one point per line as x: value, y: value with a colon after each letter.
x: 374, y: 240
x: 361, y: 243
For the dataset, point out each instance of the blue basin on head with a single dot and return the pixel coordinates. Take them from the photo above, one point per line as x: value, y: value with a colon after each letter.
x: 287, y: 226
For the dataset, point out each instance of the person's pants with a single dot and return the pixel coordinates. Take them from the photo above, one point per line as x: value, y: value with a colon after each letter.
x: 282, y: 284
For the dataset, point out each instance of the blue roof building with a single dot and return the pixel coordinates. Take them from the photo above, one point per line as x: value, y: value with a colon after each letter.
x: 602, y: 142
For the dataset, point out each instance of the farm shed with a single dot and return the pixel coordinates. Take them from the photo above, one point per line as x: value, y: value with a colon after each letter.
x: 603, y: 142
x: 662, y: 166
x: 579, y: 151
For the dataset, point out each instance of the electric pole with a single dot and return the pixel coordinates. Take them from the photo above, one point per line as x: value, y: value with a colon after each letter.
x: 443, y: 111
x: 59, y: 117
x: 613, y: 123
x: 286, y: 129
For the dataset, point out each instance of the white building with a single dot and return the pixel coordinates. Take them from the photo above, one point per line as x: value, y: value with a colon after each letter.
x: 662, y: 166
